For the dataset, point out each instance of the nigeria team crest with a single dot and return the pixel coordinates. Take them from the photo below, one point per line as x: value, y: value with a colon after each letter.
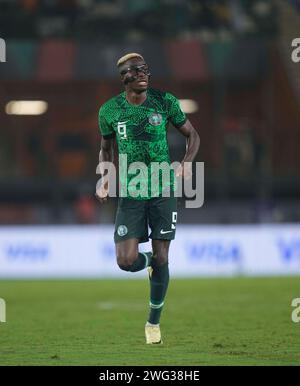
x: 122, y: 230
x: 155, y: 119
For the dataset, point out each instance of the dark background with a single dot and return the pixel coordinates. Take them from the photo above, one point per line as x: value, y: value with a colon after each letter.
x: 232, y: 57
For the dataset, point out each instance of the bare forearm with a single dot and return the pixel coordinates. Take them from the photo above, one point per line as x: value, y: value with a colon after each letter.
x: 192, y: 146
x: 106, y: 152
x: 105, y: 156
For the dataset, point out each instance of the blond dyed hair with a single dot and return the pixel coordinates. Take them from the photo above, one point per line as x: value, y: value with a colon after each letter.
x: 126, y: 57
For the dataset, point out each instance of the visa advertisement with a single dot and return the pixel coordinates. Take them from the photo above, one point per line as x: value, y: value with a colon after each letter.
x: 197, y: 251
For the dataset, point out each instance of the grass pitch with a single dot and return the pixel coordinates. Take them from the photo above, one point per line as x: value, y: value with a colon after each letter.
x: 243, y: 321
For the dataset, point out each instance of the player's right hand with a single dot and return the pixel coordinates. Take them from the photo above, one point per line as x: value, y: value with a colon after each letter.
x: 102, y: 193
x: 184, y: 170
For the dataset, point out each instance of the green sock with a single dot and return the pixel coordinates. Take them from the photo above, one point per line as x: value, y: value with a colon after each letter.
x: 158, y: 288
x: 144, y: 260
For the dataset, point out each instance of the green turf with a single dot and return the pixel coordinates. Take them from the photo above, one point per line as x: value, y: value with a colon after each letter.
x: 205, y: 322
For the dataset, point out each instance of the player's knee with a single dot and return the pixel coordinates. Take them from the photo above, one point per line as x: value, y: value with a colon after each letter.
x: 161, y: 258
x: 125, y: 261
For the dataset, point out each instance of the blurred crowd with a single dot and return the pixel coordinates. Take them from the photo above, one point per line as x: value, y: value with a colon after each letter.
x: 135, y: 19
x: 47, y: 163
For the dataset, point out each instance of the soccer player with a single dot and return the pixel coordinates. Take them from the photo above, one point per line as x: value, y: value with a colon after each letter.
x: 138, y: 118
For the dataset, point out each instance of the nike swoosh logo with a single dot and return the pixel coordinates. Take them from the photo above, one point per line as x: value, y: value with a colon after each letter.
x: 163, y: 232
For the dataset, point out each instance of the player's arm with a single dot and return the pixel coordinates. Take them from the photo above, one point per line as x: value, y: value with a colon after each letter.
x: 181, y: 123
x: 192, y: 147
x: 105, y: 155
x: 106, y: 152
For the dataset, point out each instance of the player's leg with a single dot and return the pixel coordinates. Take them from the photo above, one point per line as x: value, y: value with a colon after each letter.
x: 129, y: 258
x: 162, y: 213
x: 159, y: 279
x: 162, y: 219
x: 131, y: 227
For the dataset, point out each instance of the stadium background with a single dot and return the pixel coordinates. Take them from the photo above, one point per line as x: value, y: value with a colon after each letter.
x: 233, y: 60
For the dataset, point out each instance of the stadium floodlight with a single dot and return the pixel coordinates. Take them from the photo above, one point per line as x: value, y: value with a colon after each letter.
x: 188, y: 106
x: 26, y: 107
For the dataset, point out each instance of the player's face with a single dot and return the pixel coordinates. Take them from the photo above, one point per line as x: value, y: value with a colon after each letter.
x: 135, y: 74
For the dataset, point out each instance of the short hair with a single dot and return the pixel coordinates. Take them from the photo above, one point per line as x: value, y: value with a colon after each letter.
x: 126, y: 57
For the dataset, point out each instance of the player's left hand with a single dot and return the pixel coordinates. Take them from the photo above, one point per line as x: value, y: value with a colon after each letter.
x: 102, y: 192
x: 184, y: 170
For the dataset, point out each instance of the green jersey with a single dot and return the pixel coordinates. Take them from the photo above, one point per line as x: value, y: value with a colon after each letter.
x: 141, y: 133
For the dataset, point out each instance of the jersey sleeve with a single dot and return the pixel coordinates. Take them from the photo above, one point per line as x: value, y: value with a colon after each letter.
x: 105, y: 127
x: 175, y: 114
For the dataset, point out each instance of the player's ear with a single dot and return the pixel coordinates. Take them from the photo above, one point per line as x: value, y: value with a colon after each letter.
x: 122, y: 76
x: 123, y: 79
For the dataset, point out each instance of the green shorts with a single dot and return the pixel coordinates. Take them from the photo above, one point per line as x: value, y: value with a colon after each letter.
x: 135, y: 216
